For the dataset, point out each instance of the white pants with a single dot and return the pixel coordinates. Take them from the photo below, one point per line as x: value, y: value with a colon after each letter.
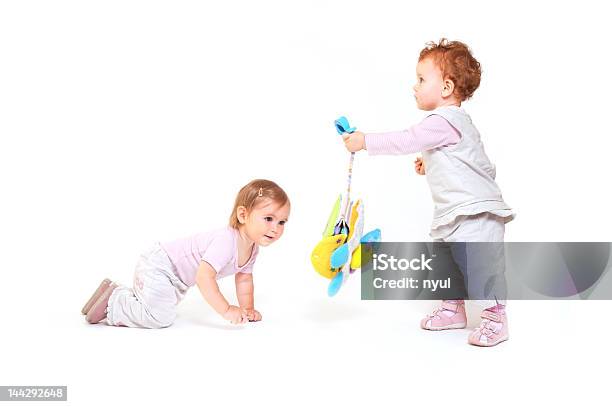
x: 483, y: 227
x: 151, y: 303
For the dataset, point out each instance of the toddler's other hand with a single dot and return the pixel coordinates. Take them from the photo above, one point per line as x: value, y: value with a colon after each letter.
x: 253, y: 315
x: 235, y: 315
x: 419, y: 166
x: 354, y: 141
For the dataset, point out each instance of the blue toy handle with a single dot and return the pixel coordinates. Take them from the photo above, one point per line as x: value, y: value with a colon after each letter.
x: 335, y: 284
x: 343, y: 126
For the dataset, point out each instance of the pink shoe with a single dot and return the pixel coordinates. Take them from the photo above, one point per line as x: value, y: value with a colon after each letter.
x: 103, y: 286
x: 450, y: 315
x: 98, y: 311
x: 493, y: 329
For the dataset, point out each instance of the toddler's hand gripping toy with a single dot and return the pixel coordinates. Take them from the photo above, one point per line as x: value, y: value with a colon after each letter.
x: 338, y: 254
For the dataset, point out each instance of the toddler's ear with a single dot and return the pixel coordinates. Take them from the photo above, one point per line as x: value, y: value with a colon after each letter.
x: 448, y: 88
x: 241, y: 214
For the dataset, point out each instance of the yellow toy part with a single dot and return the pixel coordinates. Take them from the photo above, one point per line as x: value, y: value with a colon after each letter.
x: 321, y: 255
x: 358, y: 256
x: 356, y: 259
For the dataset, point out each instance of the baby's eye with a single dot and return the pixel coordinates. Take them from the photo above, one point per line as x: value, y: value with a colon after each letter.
x: 282, y: 222
x: 268, y: 218
x: 421, y: 80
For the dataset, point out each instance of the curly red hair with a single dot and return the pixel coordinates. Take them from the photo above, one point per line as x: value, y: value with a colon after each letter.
x: 457, y: 63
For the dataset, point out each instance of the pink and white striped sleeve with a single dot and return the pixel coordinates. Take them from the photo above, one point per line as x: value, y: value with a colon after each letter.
x: 434, y: 131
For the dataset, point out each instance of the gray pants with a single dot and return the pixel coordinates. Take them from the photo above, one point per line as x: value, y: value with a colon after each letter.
x: 481, y: 264
x: 151, y: 303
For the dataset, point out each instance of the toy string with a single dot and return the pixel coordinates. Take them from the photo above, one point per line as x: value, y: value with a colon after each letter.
x: 343, y: 126
x: 348, y: 187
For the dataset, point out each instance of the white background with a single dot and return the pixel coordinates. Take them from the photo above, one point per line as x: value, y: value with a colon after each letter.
x: 123, y: 123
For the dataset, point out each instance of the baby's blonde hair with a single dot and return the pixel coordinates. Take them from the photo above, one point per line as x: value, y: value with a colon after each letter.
x: 254, y: 193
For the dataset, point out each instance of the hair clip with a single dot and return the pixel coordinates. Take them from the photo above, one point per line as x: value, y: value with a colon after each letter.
x: 260, y: 194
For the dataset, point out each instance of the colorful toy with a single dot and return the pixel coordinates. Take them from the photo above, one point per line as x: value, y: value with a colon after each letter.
x: 339, y: 253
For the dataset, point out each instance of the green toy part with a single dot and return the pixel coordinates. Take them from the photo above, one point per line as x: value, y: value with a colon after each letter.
x: 333, y: 216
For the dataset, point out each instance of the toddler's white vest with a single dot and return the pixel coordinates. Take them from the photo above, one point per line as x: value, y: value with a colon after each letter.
x: 460, y: 176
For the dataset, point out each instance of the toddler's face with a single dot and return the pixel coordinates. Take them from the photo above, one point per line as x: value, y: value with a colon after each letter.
x: 265, y: 223
x: 429, y: 87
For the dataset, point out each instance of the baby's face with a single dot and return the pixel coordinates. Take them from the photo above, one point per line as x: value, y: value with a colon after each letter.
x: 265, y: 223
x: 429, y: 85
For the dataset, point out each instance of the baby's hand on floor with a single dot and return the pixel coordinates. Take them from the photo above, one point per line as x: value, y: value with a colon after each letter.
x: 354, y: 141
x: 419, y: 166
x: 253, y: 315
x: 235, y: 315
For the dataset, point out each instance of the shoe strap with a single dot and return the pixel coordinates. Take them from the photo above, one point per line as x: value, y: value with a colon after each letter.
x: 449, y: 306
x: 492, y: 316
